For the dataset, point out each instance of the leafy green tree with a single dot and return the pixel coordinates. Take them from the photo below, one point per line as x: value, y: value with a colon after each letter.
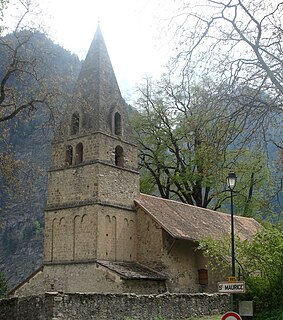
x: 238, y: 45
x: 259, y: 260
x: 190, y: 137
x: 3, y: 286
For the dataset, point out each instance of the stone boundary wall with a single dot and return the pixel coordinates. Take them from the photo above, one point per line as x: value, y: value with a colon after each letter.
x: 87, y: 306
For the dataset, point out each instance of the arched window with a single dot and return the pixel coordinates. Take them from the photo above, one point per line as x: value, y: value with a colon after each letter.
x: 117, y: 124
x: 119, y: 156
x: 75, y: 123
x: 79, y: 153
x: 69, y: 155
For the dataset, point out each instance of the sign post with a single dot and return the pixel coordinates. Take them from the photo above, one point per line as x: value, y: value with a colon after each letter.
x: 231, y: 316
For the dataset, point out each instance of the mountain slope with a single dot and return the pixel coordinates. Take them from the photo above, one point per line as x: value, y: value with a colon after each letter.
x: 27, y: 139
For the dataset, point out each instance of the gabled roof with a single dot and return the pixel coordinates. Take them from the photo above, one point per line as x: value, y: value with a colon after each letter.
x: 184, y: 221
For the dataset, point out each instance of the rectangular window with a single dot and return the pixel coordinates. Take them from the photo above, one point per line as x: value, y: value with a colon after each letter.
x: 202, y: 276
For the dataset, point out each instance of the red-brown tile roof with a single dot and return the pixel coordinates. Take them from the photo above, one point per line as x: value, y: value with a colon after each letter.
x: 184, y: 221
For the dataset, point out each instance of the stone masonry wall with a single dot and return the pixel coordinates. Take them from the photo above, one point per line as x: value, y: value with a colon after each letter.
x: 177, y: 259
x: 95, y: 147
x: 56, y: 306
x: 90, y: 232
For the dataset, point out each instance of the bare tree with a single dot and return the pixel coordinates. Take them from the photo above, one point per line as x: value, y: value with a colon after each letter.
x: 33, y: 88
x: 237, y: 41
x: 23, y: 84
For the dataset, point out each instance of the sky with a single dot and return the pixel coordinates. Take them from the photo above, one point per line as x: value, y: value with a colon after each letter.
x: 130, y: 29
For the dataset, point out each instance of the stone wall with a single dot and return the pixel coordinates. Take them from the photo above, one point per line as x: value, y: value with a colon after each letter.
x: 90, y: 232
x: 95, y: 147
x: 56, y: 306
x: 179, y: 260
x: 88, y: 276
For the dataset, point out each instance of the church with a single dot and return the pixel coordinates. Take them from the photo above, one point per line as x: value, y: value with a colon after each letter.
x: 101, y: 234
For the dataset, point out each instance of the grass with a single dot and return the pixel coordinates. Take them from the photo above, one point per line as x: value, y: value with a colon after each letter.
x: 217, y: 317
x: 270, y: 315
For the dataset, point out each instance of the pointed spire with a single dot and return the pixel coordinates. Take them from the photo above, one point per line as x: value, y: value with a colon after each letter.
x: 96, y: 95
x: 97, y: 72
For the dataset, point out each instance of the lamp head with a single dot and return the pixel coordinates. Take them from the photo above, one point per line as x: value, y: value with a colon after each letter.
x: 231, y: 180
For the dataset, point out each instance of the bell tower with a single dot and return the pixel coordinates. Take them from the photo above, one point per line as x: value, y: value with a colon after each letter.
x: 94, y: 179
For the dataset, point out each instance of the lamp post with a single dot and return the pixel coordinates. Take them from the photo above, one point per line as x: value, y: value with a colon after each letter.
x: 231, y: 183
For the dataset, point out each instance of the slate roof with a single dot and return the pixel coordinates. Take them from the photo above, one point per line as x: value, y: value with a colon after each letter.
x: 131, y: 270
x: 184, y: 221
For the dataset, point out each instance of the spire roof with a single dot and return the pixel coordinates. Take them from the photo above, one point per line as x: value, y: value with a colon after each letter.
x: 96, y: 96
x: 97, y: 76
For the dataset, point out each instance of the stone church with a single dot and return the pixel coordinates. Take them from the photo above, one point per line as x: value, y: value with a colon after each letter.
x: 101, y: 233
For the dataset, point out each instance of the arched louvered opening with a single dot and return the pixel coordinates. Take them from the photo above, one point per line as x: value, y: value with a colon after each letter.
x: 117, y: 124
x: 119, y: 156
x: 69, y: 155
x: 79, y: 153
x: 75, y: 123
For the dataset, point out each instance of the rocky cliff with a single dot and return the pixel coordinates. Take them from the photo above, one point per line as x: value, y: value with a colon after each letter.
x: 28, y: 139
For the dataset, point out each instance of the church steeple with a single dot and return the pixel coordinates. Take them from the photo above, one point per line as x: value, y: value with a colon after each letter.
x: 93, y: 180
x: 97, y: 77
x: 96, y: 98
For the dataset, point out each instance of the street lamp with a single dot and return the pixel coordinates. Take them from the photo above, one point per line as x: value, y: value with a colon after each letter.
x: 231, y: 183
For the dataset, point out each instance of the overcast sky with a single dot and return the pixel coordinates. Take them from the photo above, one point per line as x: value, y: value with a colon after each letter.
x: 130, y: 29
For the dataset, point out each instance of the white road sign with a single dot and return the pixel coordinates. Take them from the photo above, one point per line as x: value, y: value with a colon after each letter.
x: 231, y: 287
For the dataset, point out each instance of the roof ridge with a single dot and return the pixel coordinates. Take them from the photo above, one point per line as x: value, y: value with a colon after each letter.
x: 194, y: 206
x: 183, y: 203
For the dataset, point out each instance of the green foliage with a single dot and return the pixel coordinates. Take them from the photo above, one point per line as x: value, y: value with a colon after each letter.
x: 276, y: 314
x: 263, y: 260
x: 216, y: 317
x: 190, y: 137
x: 31, y: 230
x: 213, y: 317
x: 38, y: 228
x: 3, y: 286
x: 219, y: 252
x: 266, y: 251
x: 260, y: 261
